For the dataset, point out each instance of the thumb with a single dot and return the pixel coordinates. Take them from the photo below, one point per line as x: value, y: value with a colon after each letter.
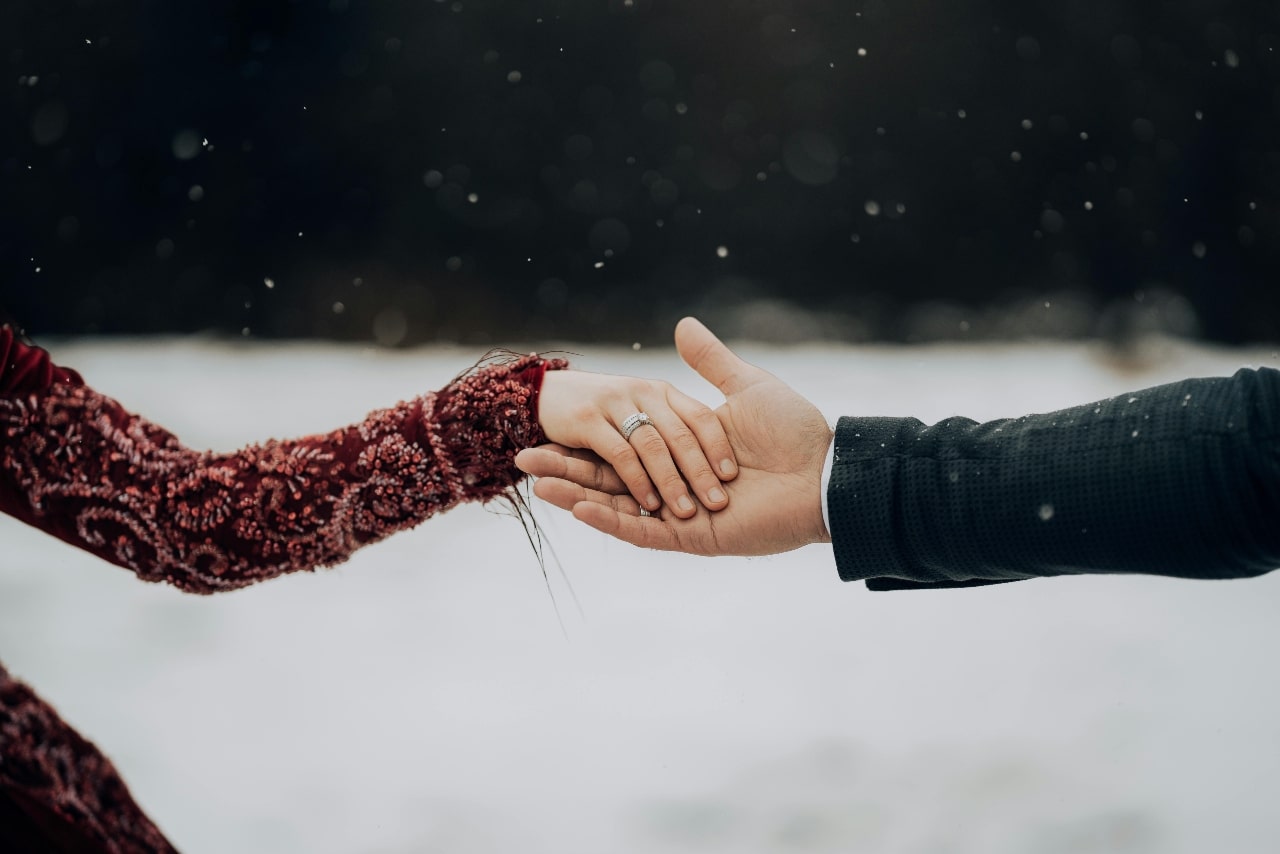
x: 708, y: 355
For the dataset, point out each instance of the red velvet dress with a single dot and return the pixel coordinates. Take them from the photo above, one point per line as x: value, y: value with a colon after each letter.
x: 75, y: 464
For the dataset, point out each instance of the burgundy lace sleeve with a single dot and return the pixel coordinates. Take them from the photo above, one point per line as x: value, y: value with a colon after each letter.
x: 74, y: 463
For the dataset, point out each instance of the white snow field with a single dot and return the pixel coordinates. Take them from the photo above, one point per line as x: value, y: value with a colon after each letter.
x: 422, y: 698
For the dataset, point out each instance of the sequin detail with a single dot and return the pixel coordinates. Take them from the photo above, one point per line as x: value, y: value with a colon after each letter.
x: 76, y: 464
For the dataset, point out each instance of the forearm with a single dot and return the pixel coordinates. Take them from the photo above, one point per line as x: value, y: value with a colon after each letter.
x: 76, y: 464
x: 1177, y: 480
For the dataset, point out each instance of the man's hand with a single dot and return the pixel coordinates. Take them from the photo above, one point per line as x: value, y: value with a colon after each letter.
x: 780, y: 441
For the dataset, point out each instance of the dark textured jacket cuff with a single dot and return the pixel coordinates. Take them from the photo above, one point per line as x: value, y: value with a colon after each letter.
x: 860, y: 498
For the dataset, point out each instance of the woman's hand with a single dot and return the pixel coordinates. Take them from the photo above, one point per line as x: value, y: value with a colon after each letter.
x: 684, y: 446
x: 781, y: 441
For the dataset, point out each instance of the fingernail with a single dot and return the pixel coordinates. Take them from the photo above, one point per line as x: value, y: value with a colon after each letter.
x: 652, y: 501
x: 716, y: 495
x: 726, y: 466
x: 685, y: 504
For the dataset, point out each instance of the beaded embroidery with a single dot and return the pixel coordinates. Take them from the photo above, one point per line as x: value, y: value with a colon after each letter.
x: 76, y: 464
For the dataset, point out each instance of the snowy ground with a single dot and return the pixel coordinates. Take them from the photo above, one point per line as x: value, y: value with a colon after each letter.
x: 423, y: 699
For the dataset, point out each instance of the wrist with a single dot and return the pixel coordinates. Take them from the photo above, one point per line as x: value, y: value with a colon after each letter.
x: 535, y: 377
x: 812, y: 510
x: 477, y: 424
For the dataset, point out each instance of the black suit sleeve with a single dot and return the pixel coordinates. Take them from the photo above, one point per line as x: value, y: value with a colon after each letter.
x: 1181, y: 480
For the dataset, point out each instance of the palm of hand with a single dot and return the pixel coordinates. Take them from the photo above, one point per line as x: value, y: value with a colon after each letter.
x: 780, y: 440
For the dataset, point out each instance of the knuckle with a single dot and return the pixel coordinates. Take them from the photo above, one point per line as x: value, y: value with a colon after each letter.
x: 684, y: 440
x: 596, y: 479
x: 621, y: 388
x: 672, y: 482
x: 621, y: 452
x: 581, y: 412
x: 632, y: 471
x: 658, y: 387
x: 650, y: 441
x: 704, y: 418
x: 704, y: 481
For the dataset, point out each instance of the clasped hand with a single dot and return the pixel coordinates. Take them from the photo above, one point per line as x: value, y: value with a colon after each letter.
x: 769, y: 443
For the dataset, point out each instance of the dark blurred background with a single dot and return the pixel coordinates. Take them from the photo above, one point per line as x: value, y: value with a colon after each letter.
x: 489, y: 170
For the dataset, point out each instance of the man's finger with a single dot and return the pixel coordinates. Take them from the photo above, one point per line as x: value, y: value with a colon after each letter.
x: 543, y: 461
x: 647, y: 532
x: 708, y: 355
x: 581, y: 467
x: 565, y: 494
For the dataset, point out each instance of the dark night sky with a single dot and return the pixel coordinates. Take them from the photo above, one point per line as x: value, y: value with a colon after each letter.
x: 473, y: 171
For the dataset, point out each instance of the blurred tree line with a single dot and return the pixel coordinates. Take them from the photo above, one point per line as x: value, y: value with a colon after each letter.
x: 474, y: 170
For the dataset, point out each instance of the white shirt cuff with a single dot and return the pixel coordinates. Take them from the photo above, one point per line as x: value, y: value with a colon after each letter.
x: 826, y: 480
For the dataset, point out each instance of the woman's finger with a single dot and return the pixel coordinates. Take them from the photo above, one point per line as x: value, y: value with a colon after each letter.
x: 706, y: 425
x: 606, y: 440
x: 649, y: 443
x: 687, y: 451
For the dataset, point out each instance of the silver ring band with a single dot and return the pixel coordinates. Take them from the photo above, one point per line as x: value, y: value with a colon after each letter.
x: 644, y: 512
x: 635, y: 422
